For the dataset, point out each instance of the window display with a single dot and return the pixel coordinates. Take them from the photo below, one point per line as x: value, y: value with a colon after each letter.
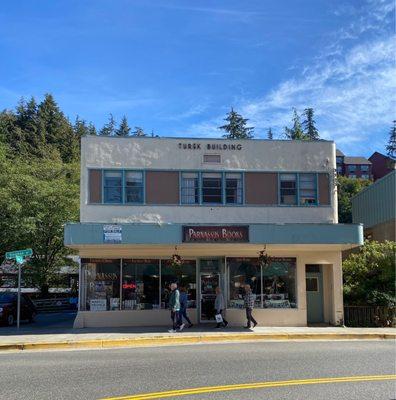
x: 274, y: 285
x: 140, y: 284
x: 184, y: 275
x: 101, y: 284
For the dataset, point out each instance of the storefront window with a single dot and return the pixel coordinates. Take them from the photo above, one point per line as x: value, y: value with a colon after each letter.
x: 101, y: 284
x: 279, y: 283
x: 278, y: 288
x: 140, y: 284
x: 184, y: 276
x: 243, y: 271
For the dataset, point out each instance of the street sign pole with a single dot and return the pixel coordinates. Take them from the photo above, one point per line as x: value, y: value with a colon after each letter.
x: 19, y: 256
x: 19, y: 260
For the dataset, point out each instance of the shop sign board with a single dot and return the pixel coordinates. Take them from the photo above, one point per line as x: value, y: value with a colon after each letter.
x: 216, y: 234
x: 112, y: 234
x: 98, y: 304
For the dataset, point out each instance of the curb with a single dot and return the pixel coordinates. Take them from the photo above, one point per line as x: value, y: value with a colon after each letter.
x: 172, y: 340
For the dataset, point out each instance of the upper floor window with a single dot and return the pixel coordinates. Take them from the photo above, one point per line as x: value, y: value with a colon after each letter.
x: 339, y: 160
x: 364, y: 168
x: 233, y: 188
x: 212, y: 188
x: 352, y: 168
x: 189, y: 188
x: 307, y: 189
x: 288, y: 189
x: 113, y: 186
x: 133, y: 187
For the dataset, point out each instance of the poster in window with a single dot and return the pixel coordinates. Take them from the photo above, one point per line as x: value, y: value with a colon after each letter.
x: 112, y: 234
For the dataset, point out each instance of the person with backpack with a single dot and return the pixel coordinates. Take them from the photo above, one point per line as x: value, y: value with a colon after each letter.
x: 183, y: 309
x: 174, y: 306
x: 249, y: 300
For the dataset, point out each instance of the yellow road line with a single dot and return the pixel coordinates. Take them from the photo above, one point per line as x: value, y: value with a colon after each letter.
x: 247, y: 386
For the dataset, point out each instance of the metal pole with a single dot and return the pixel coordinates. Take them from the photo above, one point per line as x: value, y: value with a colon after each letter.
x: 19, y: 295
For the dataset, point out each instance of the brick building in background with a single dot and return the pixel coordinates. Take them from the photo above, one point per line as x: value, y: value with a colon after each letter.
x: 381, y: 165
x: 353, y: 167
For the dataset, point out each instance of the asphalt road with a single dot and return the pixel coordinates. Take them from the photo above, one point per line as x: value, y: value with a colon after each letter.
x: 95, y: 374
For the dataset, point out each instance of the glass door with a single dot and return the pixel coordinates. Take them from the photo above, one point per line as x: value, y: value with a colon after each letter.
x: 208, y: 283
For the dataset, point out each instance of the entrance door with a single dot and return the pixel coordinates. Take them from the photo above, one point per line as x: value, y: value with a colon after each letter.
x: 314, y: 287
x: 208, y: 284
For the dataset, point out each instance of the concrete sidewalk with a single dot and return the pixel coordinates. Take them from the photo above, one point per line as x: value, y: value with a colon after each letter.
x: 157, y: 336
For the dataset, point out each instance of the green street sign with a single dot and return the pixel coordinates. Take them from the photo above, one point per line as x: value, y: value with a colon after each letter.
x: 19, y: 254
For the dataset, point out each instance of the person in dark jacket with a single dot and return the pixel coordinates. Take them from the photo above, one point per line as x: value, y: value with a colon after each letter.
x: 174, y: 306
x: 183, y: 309
x: 249, y: 300
x: 219, y: 307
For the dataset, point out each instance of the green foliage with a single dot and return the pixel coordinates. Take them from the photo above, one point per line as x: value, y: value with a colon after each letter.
x: 369, y: 275
x: 123, y: 129
x: 108, y: 128
x: 296, y: 132
x: 236, y: 126
x: 39, y: 183
x: 391, y: 146
x: 139, y: 132
x: 309, y: 125
x: 346, y: 189
x: 37, y: 196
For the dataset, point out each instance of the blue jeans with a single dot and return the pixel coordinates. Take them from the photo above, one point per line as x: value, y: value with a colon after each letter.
x: 183, y: 314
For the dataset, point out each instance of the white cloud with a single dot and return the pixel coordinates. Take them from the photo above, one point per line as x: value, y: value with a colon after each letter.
x: 351, y: 85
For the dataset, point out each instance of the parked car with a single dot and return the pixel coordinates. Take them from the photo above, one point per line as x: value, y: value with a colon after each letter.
x: 8, y: 308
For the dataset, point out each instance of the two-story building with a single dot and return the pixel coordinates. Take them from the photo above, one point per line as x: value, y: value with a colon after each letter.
x: 216, y: 204
x: 353, y: 167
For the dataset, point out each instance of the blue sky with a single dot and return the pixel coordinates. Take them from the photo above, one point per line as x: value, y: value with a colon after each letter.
x: 176, y: 67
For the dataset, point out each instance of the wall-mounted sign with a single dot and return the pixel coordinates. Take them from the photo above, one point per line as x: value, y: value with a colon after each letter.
x: 112, y: 234
x: 210, y: 146
x: 208, y: 234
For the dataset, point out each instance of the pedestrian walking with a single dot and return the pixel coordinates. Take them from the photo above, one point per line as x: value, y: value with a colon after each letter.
x: 174, y: 306
x: 219, y: 307
x: 249, y: 300
x: 183, y: 309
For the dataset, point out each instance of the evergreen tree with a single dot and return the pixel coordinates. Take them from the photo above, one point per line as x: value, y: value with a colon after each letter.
x: 138, y: 131
x: 270, y: 135
x: 92, y: 129
x: 236, y: 126
x: 309, y: 125
x: 57, y: 129
x: 391, y: 146
x: 80, y: 128
x: 296, y: 132
x: 123, y: 129
x: 108, y: 128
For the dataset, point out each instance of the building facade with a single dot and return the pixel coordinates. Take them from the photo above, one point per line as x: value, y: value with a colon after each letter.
x: 375, y: 208
x: 353, y: 167
x: 216, y: 204
x: 381, y: 165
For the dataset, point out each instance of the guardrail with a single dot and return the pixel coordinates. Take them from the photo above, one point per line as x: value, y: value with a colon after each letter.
x: 54, y: 305
x: 370, y: 316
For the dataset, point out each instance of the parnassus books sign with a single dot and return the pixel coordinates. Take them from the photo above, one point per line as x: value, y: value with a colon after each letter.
x: 215, y: 234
